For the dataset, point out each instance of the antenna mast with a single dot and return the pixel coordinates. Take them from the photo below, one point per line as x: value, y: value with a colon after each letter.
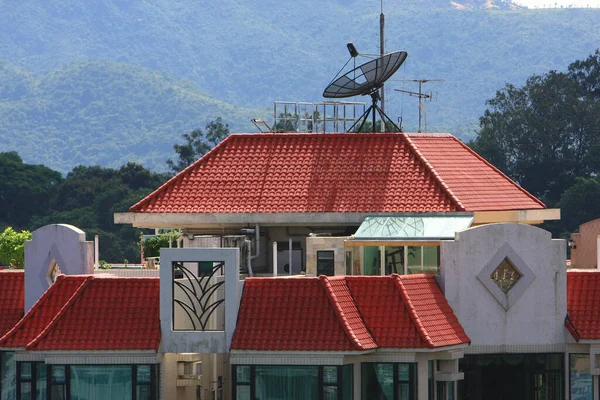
x: 420, y: 95
x: 382, y: 52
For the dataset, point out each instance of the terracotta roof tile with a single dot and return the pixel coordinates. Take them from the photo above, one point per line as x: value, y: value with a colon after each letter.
x: 350, y: 313
x: 583, y: 304
x: 292, y: 314
x: 12, y: 302
x: 279, y: 173
x: 475, y: 183
x: 106, y: 313
x: 42, y: 312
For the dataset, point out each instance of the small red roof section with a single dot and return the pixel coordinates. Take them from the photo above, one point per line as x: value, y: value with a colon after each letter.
x: 92, y: 313
x: 355, y: 313
x: 42, y: 312
x: 469, y: 177
x: 12, y: 301
x: 285, y: 173
x: 298, y: 314
x: 583, y: 305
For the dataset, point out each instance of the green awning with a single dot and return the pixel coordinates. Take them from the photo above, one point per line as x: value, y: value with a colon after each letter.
x: 412, y: 227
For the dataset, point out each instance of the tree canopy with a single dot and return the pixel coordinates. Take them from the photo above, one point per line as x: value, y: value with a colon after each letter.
x: 12, y: 247
x: 198, y: 143
x: 545, y: 135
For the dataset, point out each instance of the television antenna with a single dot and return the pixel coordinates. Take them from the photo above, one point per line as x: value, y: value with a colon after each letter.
x: 422, y: 96
x: 364, y: 80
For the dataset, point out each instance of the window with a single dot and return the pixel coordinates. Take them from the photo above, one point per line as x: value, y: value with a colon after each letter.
x: 325, y: 263
x: 372, y: 260
x: 445, y: 391
x: 8, y: 376
x: 58, y: 382
x: 581, y: 381
x: 387, y: 381
x: 297, y: 382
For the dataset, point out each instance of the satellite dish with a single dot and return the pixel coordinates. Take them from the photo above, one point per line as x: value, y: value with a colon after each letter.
x: 367, y: 79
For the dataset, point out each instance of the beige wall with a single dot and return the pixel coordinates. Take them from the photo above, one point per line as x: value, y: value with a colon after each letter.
x: 314, y: 244
x: 585, y: 254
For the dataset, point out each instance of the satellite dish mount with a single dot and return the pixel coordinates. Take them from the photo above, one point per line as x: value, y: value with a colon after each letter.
x: 367, y: 79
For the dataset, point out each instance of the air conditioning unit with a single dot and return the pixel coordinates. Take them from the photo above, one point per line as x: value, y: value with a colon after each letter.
x: 189, y: 370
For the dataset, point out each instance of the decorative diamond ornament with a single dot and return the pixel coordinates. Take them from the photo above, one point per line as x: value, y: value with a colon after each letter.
x: 506, y: 275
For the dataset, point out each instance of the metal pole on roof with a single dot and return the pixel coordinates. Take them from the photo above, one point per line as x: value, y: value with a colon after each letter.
x: 290, y: 254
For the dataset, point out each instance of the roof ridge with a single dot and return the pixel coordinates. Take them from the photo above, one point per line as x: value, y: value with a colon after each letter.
x: 178, y: 175
x: 60, y: 314
x: 339, y: 312
x: 486, y: 162
x: 412, y: 311
x: 421, y: 157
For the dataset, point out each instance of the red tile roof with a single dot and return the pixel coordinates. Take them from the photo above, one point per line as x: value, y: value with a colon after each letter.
x: 284, y: 173
x: 295, y: 314
x: 12, y: 302
x: 345, y: 314
x: 42, y: 312
x: 583, y: 304
x: 92, y: 313
x: 477, y: 184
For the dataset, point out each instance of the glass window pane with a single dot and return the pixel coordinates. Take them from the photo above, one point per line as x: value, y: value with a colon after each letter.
x: 25, y: 371
x: 414, y: 258
x: 330, y: 393
x: 404, y: 391
x: 372, y: 262
x: 41, y: 382
x: 330, y: 375
x: 101, y: 381
x: 242, y: 373
x: 143, y: 392
x: 143, y: 374
x: 404, y: 372
x: 394, y: 260
x: 450, y: 390
x: 347, y: 382
x: 58, y: 374
x: 242, y: 392
x: 8, y: 371
x: 348, y: 262
x: 26, y: 391
x: 59, y: 392
x: 582, y: 384
x: 286, y: 382
x: 377, y: 381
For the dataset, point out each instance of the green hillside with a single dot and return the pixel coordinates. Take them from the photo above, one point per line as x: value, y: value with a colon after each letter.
x: 250, y: 53
x: 103, y: 113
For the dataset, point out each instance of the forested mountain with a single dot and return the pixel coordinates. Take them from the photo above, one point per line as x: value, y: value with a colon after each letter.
x: 102, y: 113
x: 248, y: 54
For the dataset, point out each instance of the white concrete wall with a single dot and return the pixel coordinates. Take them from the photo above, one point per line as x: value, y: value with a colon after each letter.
x: 536, y: 318
x: 50, y: 244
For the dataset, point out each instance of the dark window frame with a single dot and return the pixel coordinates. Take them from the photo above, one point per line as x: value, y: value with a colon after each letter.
x: 153, y: 384
x: 412, y: 378
x: 328, y: 252
x: 321, y: 384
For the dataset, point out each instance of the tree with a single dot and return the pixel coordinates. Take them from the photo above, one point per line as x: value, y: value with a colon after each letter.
x: 25, y: 190
x: 544, y: 134
x: 12, y: 247
x: 197, y: 143
x: 580, y: 203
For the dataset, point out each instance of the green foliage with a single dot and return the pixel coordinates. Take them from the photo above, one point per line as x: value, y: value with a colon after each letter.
x: 545, y: 134
x: 105, y: 113
x: 88, y: 198
x: 12, y: 247
x: 24, y: 190
x: 104, y: 265
x: 60, y: 109
x: 580, y: 203
x: 153, y: 245
x: 197, y: 144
